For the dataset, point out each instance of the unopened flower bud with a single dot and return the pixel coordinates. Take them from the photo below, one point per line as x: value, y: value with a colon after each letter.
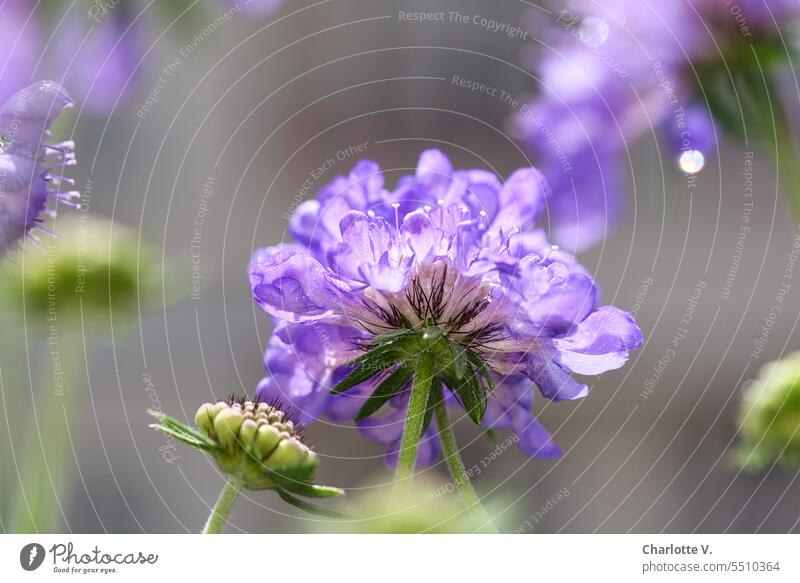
x: 247, y: 433
x: 226, y: 427
x: 266, y: 440
x: 289, y: 452
x: 770, y: 417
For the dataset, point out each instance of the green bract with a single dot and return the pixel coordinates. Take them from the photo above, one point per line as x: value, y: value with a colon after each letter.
x: 255, y: 444
x: 770, y: 417
x: 456, y: 366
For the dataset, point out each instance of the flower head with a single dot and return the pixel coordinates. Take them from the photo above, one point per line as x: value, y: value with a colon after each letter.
x: 449, y: 263
x: 30, y: 170
x: 255, y: 444
x: 769, y: 417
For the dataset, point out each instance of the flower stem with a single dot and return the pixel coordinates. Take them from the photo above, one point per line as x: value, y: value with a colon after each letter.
x: 45, y: 478
x: 412, y: 430
x: 222, y: 509
x: 457, y: 469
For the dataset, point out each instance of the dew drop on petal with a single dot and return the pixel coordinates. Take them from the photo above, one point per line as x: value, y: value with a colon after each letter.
x: 593, y: 31
x: 692, y: 161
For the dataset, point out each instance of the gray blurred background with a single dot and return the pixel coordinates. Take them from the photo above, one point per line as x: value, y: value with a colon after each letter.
x: 254, y: 109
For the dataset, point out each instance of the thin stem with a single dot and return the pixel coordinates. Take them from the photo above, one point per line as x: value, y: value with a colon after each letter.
x: 45, y: 479
x: 457, y: 469
x: 412, y: 430
x: 222, y: 509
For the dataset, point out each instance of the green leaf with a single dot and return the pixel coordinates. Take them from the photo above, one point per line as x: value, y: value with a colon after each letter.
x: 311, y: 490
x: 187, y: 439
x: 369, y: 365
x: 173, y: 423
x: 472, y: 395
x: 460, y: 355
x: 308, y: 507
x: 434, y: 397
x: 478, y: 363
x: 392, y: 336
x: 393, y: 384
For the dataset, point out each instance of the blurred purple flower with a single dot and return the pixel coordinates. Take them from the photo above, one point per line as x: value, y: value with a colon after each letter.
x: 455, y: 249
x: 616, y: 71
x: 255, y: 8
x: 30, y: 170
x: 19, y: 37
x: 100, y: 57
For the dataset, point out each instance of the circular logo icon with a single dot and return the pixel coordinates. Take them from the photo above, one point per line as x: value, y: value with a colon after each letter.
x: 31, y: 556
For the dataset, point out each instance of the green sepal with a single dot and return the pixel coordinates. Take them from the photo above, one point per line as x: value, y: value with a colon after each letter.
x: 434, y: 397
x: 183, y: 437
x: 472, y: 395
x: 309, y: 507
x: 478, y: 363
x: 393, y: 384
x: 310, y: 490
x: 368, y: 365
x: 460, y: 355
x: 177, y: 426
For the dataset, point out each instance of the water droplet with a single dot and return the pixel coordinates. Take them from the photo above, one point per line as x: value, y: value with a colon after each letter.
x: 593, y: 31
x: 692, y: 161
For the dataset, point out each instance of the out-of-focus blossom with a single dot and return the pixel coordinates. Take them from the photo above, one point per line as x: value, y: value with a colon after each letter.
x: 255, y: 8
x: 612, y: 73
x: 19, y: 43
x: 450, y: 259
x: 30, y: 169
x: 96, y: 267
x: 769, y: 417
x: 100, y: 59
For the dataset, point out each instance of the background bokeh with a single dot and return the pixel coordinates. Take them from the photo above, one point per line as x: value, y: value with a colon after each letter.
x: 209, y: 173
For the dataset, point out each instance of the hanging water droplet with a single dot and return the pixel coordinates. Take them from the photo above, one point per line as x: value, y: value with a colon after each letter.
x: 692, y: 161
x: 4, y: 142
x: 593, y: 32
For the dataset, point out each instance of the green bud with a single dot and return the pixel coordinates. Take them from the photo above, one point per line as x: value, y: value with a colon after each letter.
x: 226, y: 427
x: 247, y: 433
x: 95, y: 265
x: 255, y: 438
x: 204, y: 418
x: 290, y: 452
x: 266, y: 440
x: 769, y: 417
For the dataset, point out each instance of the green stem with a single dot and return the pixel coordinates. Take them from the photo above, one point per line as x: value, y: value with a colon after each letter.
x: 457, y: 469
x: 222, y: 509
x: 788, y: 163
x: 415, y: 419
x: 45, y: 476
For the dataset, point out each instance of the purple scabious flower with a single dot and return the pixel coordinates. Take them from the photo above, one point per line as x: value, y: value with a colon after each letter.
x: 19, y: 37
x: 617, y: 71
x: 453, y: 250
x: 30, y: 170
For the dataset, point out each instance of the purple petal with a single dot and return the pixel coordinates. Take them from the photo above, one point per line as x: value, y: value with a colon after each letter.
x: 290, y: 284
x: 387, y: 429
x: 522, y: 198
x: 600, y: 343
x: 434, y: 171
x: 534, y: 439
x: 553, y: 381
x: 26, y: 115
